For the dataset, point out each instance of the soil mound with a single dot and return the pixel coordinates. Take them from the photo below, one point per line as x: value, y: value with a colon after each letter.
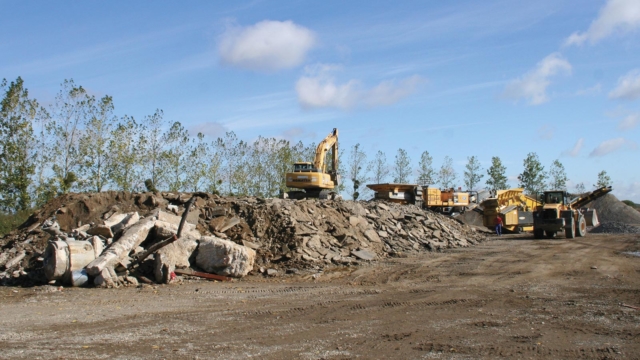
x: 285, y: 234
x: 610, y: 209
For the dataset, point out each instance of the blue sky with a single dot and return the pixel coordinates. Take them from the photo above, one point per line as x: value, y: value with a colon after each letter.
x: 487, y: 78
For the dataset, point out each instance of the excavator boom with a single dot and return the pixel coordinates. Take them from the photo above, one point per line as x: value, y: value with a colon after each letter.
x: 331, y: 141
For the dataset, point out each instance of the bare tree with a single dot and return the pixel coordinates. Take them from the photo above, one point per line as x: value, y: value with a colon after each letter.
x: 402, y: 167
x: 426, y: 174
x: 447, y: 175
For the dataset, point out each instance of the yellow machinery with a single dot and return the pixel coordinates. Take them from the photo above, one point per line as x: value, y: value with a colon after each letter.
x: 398, y: 193
x: 313, y: 179
x: 558, y: 213
x: 448, y: 201
x: 513, y: 206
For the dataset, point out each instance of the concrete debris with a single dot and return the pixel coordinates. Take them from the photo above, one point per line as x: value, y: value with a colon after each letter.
x: 226, y: 236
x: 224, y: 257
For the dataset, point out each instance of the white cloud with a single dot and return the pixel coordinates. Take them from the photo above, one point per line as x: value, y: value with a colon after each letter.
x: 533, y: 85
x: 575, y: 151
x: 628, y: 86
x: 612, y: 145
x: 319, y: 89
x: 629, y: 122
x: 616, y: 16
x: 267, y: 45
x: 209, y: 128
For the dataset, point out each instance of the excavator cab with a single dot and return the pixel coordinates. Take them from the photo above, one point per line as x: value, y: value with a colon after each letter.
x: 303, y: 167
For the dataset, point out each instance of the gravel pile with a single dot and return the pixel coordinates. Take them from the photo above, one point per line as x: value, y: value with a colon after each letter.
x: 615, y: 227
x: 610, y: 209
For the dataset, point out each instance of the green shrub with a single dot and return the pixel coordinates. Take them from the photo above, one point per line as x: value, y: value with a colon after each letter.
x: 630, y: 203
x: 10, y: 221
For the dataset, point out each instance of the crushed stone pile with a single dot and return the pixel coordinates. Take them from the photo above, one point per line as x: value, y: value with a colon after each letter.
x: 94, y: 238
x: 614, y: 227
x: 610, y: 209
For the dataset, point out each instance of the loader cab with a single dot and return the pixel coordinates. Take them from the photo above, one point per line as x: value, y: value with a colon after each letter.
x: 555, y: 197
x: 303, y: 167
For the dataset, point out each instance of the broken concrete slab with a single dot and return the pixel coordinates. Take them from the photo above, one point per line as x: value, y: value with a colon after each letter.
x: 102, y: 230
x: 224, y: 257
x: 364, y: 254
x: 131, y: 239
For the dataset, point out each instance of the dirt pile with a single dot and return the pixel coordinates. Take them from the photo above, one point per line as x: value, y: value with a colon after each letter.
x: 285, y: 234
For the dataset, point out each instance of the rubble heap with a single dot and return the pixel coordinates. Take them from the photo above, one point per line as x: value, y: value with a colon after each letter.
x: 80, y: 238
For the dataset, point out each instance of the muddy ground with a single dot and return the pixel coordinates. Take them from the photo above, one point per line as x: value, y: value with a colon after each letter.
x: 509, y: 297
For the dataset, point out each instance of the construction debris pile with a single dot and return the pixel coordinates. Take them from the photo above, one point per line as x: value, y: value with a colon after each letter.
x: 110, y: 239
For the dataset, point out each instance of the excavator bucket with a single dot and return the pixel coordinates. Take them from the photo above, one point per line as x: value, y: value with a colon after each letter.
x: 591, y: 217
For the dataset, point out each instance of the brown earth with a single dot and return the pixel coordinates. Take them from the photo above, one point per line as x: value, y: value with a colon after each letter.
x: 509, y: 297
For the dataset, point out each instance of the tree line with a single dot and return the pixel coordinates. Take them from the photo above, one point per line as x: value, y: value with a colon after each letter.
x: 533, y: 178
x: 78, y: 143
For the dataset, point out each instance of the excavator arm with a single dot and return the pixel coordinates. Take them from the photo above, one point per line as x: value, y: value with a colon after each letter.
x: 331, y: 141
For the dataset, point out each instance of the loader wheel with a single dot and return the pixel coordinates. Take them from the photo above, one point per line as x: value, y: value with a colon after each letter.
x: 550, y: 234
x: 582, y: 227
x: 570, y: 232
x: 538, y: 233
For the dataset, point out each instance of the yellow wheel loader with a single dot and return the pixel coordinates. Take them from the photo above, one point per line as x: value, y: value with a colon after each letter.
x: 313, y: 179
x: 558, y: 213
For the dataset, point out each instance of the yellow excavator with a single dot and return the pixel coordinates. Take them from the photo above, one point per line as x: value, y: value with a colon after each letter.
x: 313, y: 179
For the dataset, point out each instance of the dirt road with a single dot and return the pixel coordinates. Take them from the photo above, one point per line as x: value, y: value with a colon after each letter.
x: 510, y: 297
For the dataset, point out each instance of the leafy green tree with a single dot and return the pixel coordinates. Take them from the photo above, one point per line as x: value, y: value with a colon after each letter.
x: 533, y: 177
x: 380, y: 167
x: 357, y: 169
x: 124, y: 170
x: 426, y: 173
x: 17, y: 146
x: 472, y: 174
x: 447, y: 175
x: 603, y: 180
x: 402, y: 167
x: 580, y: 188
x: 94, y: 142
x: 71, y: 107
x: 152, y: 148
x: 497, y: 180
x: 196, y: 164
x: 174, y: 156
x: 557, y: 176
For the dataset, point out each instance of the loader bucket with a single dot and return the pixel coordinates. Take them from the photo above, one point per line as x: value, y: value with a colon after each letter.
x: 591, y: 217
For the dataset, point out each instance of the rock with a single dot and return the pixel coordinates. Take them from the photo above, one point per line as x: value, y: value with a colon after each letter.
x: 229, y: 224
x: 15, y: 260
x: 364, y: 254
x: 128, y: 221
x: 131, y: 239
x: 98, y: 246
x: 175, y: 255
x: 217, y: 211
x: 251, y: 244
x: 224, y: 257
x: 272, y: 272
x: 372, y: 236
x: 101, y: 230
x: 163, y: 230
